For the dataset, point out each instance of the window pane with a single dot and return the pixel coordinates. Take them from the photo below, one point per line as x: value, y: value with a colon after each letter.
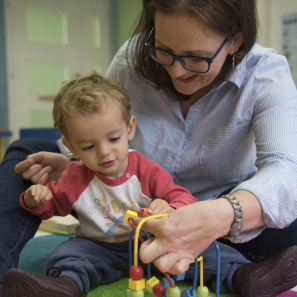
x: 41, y: 118
x: 46, y: 26
x: 46, y: 76
x: 94, y: 32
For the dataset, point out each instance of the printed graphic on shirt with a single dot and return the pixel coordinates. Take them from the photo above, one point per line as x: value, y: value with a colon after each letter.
x: 101, y: 209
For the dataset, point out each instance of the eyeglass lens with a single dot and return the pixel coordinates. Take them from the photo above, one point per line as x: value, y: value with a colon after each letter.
x: 191, y: 64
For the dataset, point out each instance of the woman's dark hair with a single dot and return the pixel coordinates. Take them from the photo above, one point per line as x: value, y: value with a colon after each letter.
x: 225, y: 17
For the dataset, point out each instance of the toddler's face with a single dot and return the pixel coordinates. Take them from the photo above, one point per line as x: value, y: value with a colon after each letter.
x: 101, y: 140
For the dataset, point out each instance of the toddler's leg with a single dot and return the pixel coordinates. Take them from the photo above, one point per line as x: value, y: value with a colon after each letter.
x: 89, y: 263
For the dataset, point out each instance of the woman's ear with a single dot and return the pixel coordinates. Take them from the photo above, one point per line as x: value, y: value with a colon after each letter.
x: 236, y: 42
x: 131, y: 128
x: 69, y: 146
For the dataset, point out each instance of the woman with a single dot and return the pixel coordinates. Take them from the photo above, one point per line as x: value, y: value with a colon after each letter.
x: 223, y: 123
x: 219, y: 113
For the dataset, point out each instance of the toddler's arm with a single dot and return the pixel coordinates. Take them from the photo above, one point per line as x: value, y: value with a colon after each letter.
x: 37, y: 195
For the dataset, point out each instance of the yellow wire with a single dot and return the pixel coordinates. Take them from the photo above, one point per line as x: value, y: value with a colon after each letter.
x: 137, y: 233
x: 200, y: 259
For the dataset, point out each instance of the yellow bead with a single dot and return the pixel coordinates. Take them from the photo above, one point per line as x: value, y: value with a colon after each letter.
x: 151, y: 283
x: 136, y: 285
x: 130, y: 214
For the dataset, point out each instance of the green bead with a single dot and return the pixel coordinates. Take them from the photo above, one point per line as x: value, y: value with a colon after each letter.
x: 202, y: 291
x: 138, y: 293
x: 128, y: 291
x: 173, y: 292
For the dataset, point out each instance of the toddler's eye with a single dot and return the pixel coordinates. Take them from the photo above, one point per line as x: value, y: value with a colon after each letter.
x: 88, y: 148
x: 115, y: 139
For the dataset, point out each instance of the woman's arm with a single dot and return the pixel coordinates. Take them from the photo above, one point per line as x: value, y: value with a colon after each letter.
x: 190, y: 229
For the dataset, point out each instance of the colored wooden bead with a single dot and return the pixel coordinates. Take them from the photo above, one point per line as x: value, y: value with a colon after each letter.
x: 158, y: 290
x: 166, y: 283
x: 136, y: 284
x: 188, y: 293
x: 128, y: 291
x: 179, y: 277
x: 138, y: 293
x: 173, y: 292
x: 151, y: 283
x: 202, y: 291
x: 136, y: 273
x: 130, y: 214
x: 144, y: 213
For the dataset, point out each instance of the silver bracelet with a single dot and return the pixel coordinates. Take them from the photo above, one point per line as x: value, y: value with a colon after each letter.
x: 72, y: 158
x: 237, y: 225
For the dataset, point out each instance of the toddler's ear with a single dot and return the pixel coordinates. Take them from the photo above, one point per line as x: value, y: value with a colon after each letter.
x: 131, y: 128
x: 69, y: 146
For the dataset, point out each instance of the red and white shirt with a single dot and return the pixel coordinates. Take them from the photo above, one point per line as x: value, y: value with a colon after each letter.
x: 100, y: 202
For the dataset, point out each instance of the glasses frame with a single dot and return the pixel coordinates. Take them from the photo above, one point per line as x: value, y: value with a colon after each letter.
x: 148, y: 47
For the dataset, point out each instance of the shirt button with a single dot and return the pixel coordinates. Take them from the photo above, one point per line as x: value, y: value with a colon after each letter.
x: 128, y: 175
x: 173, y: 157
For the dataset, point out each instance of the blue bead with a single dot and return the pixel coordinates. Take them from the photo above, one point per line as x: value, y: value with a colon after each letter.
x: 187, y: 293
x: 179, y: 277
x: 166, y: 283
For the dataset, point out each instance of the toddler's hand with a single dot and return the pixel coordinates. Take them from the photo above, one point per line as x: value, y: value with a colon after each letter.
x: 37, y: 195
x: 159, y: 206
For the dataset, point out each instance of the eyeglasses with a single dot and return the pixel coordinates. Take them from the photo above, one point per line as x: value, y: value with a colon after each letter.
x: 191, y: 63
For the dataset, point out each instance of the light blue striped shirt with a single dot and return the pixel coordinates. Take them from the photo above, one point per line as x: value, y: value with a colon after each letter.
x: 241, y: 135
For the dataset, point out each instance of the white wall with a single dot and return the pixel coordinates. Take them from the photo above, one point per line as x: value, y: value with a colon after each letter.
x: 270, y: 21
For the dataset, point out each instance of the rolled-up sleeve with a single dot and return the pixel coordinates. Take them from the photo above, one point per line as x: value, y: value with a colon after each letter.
x: 275, y: 128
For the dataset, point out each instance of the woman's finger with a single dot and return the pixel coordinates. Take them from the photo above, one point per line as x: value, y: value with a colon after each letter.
x: 44, y: 179
x: 154, y: 248
x: 39, y: 174
x: 180, y: 266
x: 23, y: 166
x: 31, y: 171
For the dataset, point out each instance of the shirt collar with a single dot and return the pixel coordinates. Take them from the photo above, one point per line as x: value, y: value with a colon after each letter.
x: 236, y: 76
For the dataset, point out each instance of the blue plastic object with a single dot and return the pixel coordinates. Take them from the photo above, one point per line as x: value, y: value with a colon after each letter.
x: 49, y: 134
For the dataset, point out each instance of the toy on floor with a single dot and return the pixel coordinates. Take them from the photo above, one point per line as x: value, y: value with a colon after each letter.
x: 153, y: 285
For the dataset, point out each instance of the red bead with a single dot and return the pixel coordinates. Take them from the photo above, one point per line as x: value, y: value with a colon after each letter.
x: 158, y: 290
x: 144, y: 213
x: 136, y: 273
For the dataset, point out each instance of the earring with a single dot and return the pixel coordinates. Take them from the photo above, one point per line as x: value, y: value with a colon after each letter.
x: 233, y: 62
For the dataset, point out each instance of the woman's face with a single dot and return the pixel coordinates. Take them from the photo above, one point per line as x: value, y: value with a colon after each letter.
x: 185, y: 35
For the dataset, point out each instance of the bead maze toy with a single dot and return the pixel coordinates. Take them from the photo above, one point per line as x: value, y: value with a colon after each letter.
x: 153, y: 285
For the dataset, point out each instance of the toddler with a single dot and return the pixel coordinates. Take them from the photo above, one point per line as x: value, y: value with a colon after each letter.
x: 93, y: 114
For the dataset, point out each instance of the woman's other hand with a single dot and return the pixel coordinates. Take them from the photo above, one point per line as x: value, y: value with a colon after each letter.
x: 42, y: 167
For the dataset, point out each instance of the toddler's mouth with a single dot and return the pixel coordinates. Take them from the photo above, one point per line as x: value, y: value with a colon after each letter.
x: 108, y: 163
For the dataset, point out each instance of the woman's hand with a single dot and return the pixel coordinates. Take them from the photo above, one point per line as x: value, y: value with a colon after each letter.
x: 185, y: 234
x: 42, y: 167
